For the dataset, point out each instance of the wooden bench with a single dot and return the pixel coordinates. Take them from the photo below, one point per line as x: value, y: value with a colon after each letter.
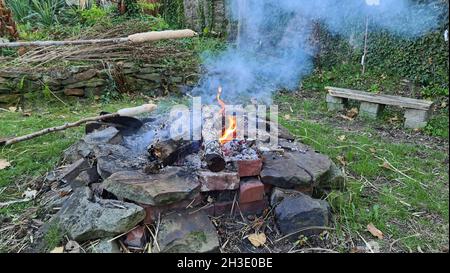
x: 417, y: 112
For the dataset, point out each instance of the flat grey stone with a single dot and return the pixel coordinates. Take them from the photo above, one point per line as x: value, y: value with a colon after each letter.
x: 73, y: 170
x: 187, y: 233
x: 299, y: 167
x: 104, y: 246
x: 116, y: 158
x: 172, y: 185
x: 85, y: 178
x: 109, y: 135
x: 298, y: 211
x: 84, y: 217
x: 335, y: 179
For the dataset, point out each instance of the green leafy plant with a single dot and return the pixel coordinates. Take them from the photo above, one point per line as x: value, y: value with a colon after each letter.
x: 46, y: 11
x: 93, y: 15
x: 21, y: 9
x: 173, y: 12
x: 145, y: 6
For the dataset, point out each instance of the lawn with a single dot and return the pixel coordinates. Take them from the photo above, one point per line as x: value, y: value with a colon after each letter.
x: 398, y: 183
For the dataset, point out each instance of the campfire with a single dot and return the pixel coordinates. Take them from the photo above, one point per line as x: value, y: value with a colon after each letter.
x: 157, y: 177
x: 229, y: 133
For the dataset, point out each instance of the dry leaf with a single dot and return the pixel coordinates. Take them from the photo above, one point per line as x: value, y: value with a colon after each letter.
x: 342, y: 138
x: 12, y: 109
x: 375, y: 231
x: 372, y: 150
x: 29, y: 194
x: 209, y: 199
x: 257, y: 240
x: 4, y: 164
x: 346, y: 118
x: 444, y: 104
x: 72, y: 247
x: 287, y: 117
x: 394, y: 119
x: 352, y: 113
x: 59, y: 249
x: 386, y: 165
x: 341, y: 159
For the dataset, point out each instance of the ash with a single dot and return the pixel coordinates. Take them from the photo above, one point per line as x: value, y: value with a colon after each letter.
x: 239, y: 150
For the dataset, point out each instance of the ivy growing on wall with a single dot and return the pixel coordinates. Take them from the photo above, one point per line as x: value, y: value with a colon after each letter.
x: 173, y: 12
x: 424, y: 60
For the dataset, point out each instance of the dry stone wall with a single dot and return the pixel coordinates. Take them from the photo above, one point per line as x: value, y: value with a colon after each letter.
x: 96, y: 80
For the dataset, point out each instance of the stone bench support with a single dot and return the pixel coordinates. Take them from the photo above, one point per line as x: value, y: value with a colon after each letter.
x: 335, y: 103
x: 416, y: 118
x: 417, y: 112
x: 371, y: 110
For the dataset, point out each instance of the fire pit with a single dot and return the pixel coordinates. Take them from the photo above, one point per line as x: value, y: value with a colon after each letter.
x: 147, y: 177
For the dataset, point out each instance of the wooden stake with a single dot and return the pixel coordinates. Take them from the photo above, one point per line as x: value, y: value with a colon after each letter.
x: 134, y: 38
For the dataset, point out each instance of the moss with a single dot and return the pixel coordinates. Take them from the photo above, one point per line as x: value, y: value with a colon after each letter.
x: 53, y: 237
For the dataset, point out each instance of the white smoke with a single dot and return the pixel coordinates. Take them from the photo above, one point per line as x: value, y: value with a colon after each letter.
x: 274, y: 49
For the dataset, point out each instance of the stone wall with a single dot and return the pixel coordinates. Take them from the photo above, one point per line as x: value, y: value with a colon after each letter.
x: 95, y: 80
x: 206, y: 15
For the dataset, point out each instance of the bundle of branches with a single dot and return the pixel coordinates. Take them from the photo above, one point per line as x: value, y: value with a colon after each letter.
x: 7, y: 25
x: 41, y: 56
x: 45, y: 56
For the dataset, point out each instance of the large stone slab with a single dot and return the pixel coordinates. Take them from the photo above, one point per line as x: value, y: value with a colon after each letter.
x: 116, y: 158
x: 172, y: 185
x: 109, y: 135
x: 84, y: 217
x: 298, y: 166
x: 295, y: 211
x: 187, y: 233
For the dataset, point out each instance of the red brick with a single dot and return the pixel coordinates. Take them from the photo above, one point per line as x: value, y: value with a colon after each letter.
x: 256, y: 207
x: 220, y: 181
x: 251, y: 191
x: 252, y: 208
x: 152, y: 212
x: 247, y: 168
x: 136, y: 237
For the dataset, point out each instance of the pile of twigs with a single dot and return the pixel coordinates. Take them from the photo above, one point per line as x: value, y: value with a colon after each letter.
x: 45, y: 56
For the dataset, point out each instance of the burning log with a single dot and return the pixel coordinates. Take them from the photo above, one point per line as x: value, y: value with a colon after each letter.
x: 211, y: 133
x: 170, y: 151
x: 213, y: 156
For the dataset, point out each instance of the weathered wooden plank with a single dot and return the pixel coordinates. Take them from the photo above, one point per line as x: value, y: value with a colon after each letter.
x: 380, y: 99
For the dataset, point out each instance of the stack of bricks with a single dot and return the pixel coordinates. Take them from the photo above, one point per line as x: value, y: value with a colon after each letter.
x: 252, y: 192
x: 242, y: 191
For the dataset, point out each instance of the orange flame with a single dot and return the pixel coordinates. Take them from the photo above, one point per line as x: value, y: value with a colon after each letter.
x: 222, y: 104
x: 229, y: 133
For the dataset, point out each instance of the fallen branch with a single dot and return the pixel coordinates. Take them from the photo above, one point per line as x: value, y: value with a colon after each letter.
x: 129, y: 112
x: 5, y: 204
x: 303, y: 229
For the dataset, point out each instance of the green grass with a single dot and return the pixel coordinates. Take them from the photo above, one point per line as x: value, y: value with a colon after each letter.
x: 401, y: 188
x: 53, y: 238
x: 408, y: 202
x: 32, y: 159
